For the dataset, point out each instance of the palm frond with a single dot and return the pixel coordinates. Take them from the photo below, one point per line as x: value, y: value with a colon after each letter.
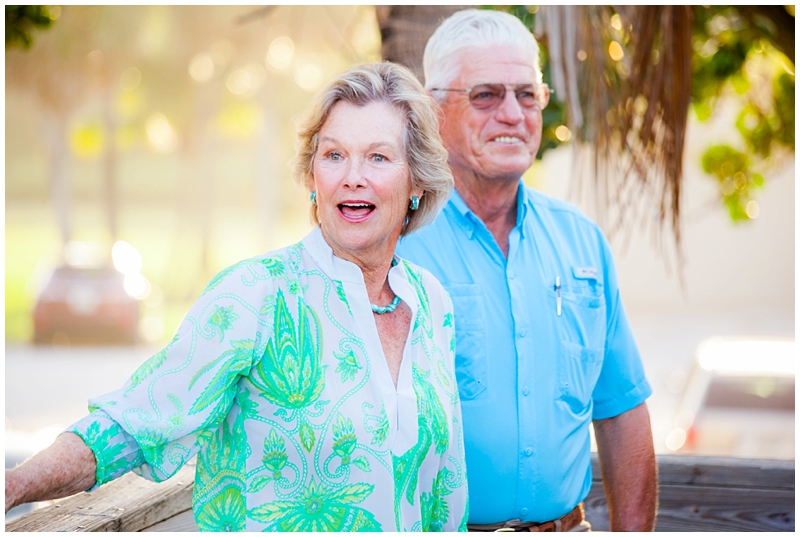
x: 628, y: 111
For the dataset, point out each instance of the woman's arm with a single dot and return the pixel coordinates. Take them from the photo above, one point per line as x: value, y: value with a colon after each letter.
x: 65, y: 468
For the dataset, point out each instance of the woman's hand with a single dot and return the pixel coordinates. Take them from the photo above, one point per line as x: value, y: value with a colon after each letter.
x: 66, y: 467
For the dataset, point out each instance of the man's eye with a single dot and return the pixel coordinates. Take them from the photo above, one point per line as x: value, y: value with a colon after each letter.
x: 484, y: 96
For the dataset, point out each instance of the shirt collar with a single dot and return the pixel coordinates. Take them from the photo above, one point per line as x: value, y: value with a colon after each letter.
x: 336, y: 267
x: 347, y: 272
x: 469, y: 220
x: 333, y: 266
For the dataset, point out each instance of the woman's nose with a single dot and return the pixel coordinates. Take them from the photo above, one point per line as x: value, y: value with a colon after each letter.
x: 354, y: 176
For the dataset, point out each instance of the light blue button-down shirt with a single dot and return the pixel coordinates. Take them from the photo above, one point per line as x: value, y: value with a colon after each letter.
x: 535, y: 362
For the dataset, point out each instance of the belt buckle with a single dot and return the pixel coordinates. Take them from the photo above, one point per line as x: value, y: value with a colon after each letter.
x: 509, y: 525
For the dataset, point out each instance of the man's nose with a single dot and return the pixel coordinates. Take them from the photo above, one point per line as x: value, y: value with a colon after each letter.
x: 509, y: 109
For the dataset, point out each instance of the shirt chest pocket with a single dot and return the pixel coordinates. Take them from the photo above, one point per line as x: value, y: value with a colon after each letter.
x: 471, y: 368
x: 582, y: 333
x: 582, y: 320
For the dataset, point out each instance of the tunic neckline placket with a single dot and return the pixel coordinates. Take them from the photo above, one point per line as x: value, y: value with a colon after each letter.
x: 400, y: 401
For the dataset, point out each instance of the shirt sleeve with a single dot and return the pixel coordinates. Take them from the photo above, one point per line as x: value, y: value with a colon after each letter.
x: 175, y: 401
x: 622, y: 384
x: 116, y: 452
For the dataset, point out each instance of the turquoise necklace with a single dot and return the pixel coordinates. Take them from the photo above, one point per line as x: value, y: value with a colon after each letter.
x: 391, y: 306
x: 386, y: 309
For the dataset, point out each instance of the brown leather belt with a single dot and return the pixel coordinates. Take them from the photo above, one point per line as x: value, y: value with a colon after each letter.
x: 565, y: 523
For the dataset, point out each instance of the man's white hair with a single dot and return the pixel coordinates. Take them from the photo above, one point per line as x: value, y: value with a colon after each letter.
x: 473, y: 28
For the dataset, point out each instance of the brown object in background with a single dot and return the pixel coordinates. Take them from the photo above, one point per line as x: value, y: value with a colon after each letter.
x: 405, y: 31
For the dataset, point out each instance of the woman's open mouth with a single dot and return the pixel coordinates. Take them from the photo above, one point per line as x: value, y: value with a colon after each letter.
x: 355, y: 211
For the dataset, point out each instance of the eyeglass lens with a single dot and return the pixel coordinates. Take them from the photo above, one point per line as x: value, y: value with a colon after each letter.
x: 486, y: 96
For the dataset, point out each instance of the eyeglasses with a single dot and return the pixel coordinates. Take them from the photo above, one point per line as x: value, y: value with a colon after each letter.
x: 489, y: 96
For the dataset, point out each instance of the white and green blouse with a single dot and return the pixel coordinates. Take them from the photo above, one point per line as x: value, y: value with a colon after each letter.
x: 277, y: 380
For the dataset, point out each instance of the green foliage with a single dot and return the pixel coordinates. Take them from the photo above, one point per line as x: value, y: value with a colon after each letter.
x: 21, y: 21
x: 737, y: 181
x: 726, y: 41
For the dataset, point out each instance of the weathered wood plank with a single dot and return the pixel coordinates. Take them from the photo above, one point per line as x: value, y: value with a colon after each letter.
x: 127, y: 504
x: 180, y: 522
x: 720, y: 471
x: 694, y: 508
x: 726, y: 472
x: 713, y: 494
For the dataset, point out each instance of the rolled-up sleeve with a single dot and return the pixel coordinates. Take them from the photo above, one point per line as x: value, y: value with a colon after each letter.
x: 115, y: 451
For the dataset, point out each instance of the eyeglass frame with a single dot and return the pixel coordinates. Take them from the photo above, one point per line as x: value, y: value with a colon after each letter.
x: 549, y: 92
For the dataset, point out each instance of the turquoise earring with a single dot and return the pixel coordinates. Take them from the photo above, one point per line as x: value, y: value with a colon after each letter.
x: 314, y: 197
x: 414, y: 203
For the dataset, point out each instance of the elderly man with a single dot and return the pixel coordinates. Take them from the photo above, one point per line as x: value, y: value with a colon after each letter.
x: 543, y: 343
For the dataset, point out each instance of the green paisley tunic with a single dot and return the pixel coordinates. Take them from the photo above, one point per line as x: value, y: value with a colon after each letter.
x: 277, y: 381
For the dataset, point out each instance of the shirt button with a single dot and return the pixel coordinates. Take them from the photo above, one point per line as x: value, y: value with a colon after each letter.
x: 528, y: 451
x: 512, y: 274
x: 526, y: 392
x: 523, y: 332
x: 523, y: 511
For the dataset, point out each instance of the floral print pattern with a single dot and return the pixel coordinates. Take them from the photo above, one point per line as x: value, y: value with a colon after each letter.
x: 276, y: 381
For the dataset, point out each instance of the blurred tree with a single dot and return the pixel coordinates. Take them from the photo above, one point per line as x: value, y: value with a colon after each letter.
x: 56, y: 77
x: 625, y: 78
x: 21, y: 21
x: 750, y: 50
x: 626, y: 85
x: 406, y: 29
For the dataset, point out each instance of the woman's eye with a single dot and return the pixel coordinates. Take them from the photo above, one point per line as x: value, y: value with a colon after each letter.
x: 378, y: 158
x: 333, y: 155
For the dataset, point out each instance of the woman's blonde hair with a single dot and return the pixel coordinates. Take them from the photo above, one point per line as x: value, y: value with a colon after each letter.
x: 396, y: 86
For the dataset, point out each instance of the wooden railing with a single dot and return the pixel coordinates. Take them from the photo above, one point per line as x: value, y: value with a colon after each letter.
x: 713, y: 494
x: 695, y: 494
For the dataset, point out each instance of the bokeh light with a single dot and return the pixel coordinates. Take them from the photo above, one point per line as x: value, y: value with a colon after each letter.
x: 752, y: 209
x: 563, y: 133
x: 238, y: 82
x: 126, y: 258
x: 308, y: 76
x: 676, y: 439
x: 136, y: 286
x: 201, y: 68
x: 161, y: 134
x: 281, y: 51
x: 615, y: 51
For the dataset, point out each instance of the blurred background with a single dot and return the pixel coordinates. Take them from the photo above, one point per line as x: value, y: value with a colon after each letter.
x: 147, y: 148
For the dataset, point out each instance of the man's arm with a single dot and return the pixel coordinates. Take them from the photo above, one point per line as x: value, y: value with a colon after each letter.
x: 628, y: 465
x: 66, y: 467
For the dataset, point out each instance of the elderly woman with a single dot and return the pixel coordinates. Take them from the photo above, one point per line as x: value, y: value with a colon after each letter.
x: 315, y: 383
